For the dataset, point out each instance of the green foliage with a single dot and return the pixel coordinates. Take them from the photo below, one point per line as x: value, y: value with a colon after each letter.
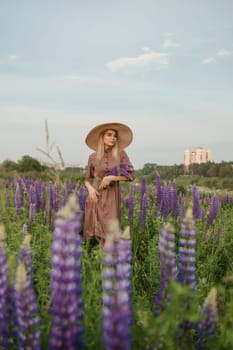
x: 9, y: 165
x: 214, y: 267
x: 28, y: 163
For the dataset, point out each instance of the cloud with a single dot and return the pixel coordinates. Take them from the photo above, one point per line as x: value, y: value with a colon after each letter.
x: 8, y: 58
x: 146, y: 59
x: 208, y: 60
x: 224, y: 53
x: 12, y: 58
x: 169, y: 41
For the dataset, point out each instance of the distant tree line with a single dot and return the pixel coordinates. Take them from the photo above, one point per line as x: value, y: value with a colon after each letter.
x: 167, y: 172
x: 32, y: 167
x: 26, y: 164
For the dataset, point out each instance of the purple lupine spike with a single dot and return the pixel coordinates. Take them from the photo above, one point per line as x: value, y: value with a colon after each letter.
x: 168, y: 270
x: 66, y: 291
x: 122, y: 169
x: 207, y: 326
x: 129, y: 203
x: 226, y: 199
x: 196, y: 204
x: 38, y: 195
x: 142, y: 215
x: 4, y: 344
x: 63, y: 197
x: 187, y: 251
x: 165, y: 206
x: 18, y: 198
x: 117, y: 314
x: 32, y: 212
x: 42, y: 197
x: 56, y: 198
x: 82, y: 193
x: 32, y: 197
x: 182, y: 206
x: 8, y: 184
x: 143, y: 190
x: 37, y: 185
x: 158, y: 192
x: 26, y: 311
x: 173, y: 199
x: 69, y: 188
x: 214, y: 209
x: 51, y: 197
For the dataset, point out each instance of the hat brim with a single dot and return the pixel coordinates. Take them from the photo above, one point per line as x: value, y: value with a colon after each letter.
x: 125, y: 135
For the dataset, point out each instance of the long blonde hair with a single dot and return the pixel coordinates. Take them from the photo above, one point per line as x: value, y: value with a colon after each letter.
x: 100, y: 149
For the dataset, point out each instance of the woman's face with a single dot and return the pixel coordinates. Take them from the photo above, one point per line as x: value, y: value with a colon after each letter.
x: 109, y: 138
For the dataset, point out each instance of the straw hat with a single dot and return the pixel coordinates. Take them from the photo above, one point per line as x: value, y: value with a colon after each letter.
x: 125, y: 135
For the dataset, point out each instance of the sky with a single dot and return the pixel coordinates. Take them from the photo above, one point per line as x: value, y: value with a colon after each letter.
x: 163, y: 67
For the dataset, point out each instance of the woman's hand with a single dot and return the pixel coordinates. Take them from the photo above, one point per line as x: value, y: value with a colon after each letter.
x: 106, y: 181
x: 93, y: 194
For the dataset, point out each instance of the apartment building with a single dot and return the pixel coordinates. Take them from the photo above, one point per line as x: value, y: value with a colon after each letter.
x: 196, y: 155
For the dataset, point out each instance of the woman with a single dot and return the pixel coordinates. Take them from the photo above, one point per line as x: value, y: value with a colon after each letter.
x: 107, y: 166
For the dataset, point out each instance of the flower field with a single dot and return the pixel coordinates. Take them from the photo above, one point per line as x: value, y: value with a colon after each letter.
x: 167, y: 283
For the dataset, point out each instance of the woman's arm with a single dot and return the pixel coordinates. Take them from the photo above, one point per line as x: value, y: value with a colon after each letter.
x: 92, y: 192
x: 109, y: 178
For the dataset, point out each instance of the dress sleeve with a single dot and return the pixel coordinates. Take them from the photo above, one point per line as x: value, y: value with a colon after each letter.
x: 126, y: 166
x: 90, y: 169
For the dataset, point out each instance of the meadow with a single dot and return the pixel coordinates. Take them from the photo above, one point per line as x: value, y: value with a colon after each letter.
x: 166, y: 284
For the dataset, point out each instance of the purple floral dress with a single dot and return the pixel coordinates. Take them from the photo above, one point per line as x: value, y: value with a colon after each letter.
x: 98, y: 216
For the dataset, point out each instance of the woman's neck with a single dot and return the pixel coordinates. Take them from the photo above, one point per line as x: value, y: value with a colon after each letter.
x: 107, y: 148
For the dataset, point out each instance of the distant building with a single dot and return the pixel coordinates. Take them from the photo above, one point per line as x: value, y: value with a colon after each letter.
x: 196, y: 155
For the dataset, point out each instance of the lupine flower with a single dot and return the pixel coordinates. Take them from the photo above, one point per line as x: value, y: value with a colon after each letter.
x: 227, y: 199
x: 122, y: 169
x: 143, y: 190
x: 8, y: 193
x: 168, y: 270
x: 26, y: 311
x: 3, y: 291
x: 32, y: 212
x: 214, y: 209
x: 69, y: 188
x: 82, y: 193
x: 66, y: 291
x: 42, y: 197
x: 196, y: 204
x: 32, y: 195
x: 165, y: 204
x: 173, y: 199
x: 206, y: 327
x: 182, y: 206
x: 117, y: 314
x: 53, y: 197
x: 187, y: 251
x: 18, y: 198
x: 56, y: 198
x: 158, y: 192
x: 63, y: 197
x: 129, y: 203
